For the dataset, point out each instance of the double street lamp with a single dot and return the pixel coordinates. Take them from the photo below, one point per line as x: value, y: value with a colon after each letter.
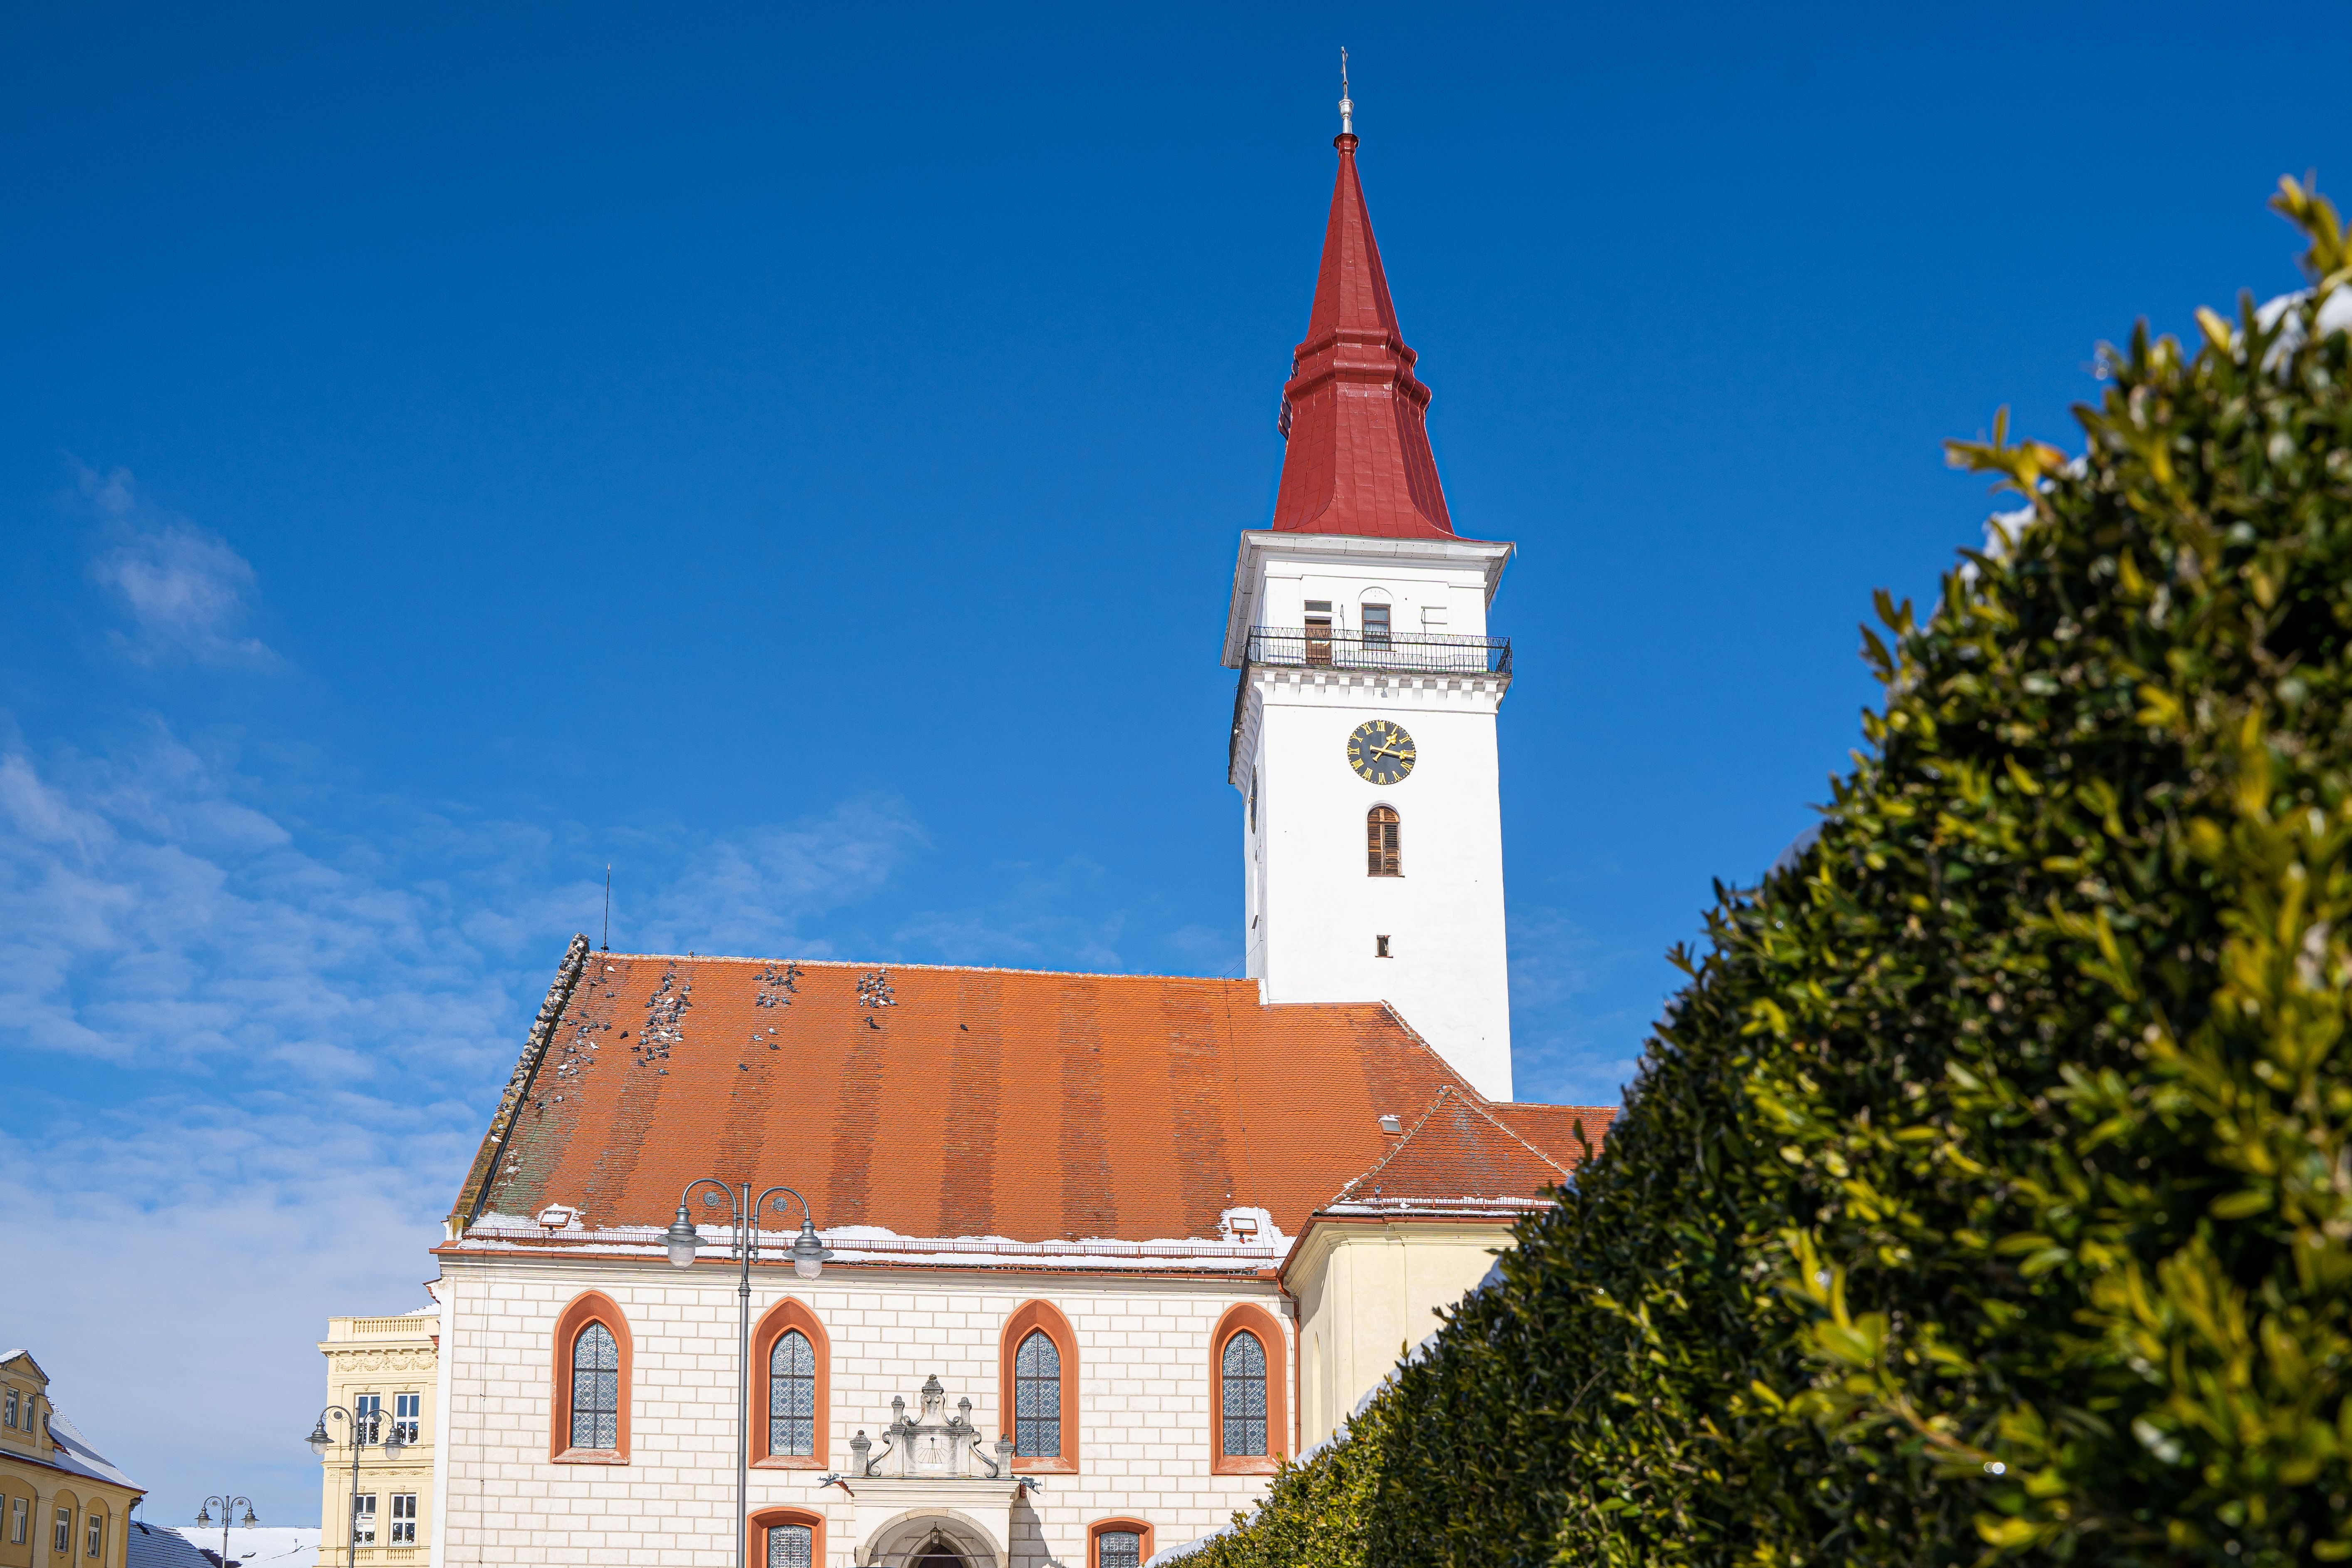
x: 229, y: 1506
x: 361, y: 1434
x: 809, y: 1254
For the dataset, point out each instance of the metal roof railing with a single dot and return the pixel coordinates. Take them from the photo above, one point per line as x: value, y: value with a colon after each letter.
x: 1336, y: 647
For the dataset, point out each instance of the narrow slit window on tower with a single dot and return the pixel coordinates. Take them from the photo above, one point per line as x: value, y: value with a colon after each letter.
x: 1379, y: 947
x: 1383, y: 843
x: 1376, y: 625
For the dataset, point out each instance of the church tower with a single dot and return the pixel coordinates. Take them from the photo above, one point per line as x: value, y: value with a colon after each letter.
x: 1363, y: 738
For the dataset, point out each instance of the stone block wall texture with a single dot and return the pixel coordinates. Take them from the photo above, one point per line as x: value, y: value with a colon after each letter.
x: 1143, y: 1404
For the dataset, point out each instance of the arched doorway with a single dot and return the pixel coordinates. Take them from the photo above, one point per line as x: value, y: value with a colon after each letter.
x: 932, y: 1539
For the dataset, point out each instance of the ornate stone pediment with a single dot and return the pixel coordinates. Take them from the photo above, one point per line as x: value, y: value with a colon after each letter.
x: 932, y: 1446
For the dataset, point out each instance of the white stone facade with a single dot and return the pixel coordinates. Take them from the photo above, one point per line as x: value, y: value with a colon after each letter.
x: 1314, y: 917
x: 1144, y: 1401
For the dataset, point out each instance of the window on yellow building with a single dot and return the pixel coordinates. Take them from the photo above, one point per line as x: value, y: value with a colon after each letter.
x: 94, y: 1538
x: 363, y: 1519
x: 11, y: 1407
x: 405, y: 1410
x: 17, y: 1511
x: 61, y: 1534
x: 404, y: 1519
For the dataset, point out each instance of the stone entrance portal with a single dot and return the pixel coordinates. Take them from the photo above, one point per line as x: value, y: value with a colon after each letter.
x: 935, y: 1492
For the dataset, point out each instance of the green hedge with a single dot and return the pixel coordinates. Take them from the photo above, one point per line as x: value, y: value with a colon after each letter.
x: 1987, y: 1193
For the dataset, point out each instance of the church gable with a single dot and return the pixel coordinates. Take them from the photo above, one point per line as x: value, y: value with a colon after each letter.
x: 1462, y: 1152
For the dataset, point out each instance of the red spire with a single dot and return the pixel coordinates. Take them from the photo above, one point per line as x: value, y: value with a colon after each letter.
x: 1358, y: 461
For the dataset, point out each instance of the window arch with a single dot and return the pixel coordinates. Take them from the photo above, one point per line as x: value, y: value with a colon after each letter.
x: 589, y: 1403
x: 1248, y: 1381
x: 784, y: 1538
x: 1383, y: 843
x: 1119, y: 1543
x: 1037, y: 1389
x: 792, y: 1379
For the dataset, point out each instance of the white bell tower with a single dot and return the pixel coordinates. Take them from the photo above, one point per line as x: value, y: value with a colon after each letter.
x: 1367, y: 881
x: 1363, y: 740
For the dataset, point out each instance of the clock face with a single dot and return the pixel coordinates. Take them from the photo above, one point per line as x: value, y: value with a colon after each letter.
x: 1380, y: 752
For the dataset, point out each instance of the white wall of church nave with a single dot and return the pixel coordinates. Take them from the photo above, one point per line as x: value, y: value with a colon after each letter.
x: 1313, y: 912
x: 1143, y: 1391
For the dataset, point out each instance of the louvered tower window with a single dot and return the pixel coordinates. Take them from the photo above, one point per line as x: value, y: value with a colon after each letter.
x: 596, y: 1389
x: 1383, y: 843
x: 792, y: 1397
x: 1037, y: 1398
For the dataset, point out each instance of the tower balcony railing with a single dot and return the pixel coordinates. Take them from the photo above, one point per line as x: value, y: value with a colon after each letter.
x: 1335, y: 647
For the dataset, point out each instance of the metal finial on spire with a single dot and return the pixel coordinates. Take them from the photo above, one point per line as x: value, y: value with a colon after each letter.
x: 1347, y: 105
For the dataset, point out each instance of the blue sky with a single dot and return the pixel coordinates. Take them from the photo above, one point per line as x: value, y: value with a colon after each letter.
x: 796, y: 459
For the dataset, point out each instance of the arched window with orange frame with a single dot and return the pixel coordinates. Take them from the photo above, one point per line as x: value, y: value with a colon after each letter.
x: 1037, y: 1389
x: 784, y: 1538
x: 1119, y: 1543
x: 792, y: 1389
x: 589, y: 1390
x: 1249, y: 1407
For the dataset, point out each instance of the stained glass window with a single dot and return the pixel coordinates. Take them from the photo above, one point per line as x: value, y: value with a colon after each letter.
x: 790, y: 1545
x: 792, y: 1395
x: 1037, y: 1398
x: 596, y: 1389
x: 1244, y: 1402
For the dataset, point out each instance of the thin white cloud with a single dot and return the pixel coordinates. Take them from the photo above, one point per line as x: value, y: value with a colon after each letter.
x: 248, y: 1056
x: 186, y: 593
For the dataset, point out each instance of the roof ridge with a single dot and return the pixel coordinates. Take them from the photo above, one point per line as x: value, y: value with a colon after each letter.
x: 947, y: 969
x: 477, y: 1190
x: 1514, y: 1132
x: 1383, y: 1162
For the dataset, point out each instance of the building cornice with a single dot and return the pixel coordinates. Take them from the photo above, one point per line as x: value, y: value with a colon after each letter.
x: 1327, y: 1229
x: 1259, y: 1271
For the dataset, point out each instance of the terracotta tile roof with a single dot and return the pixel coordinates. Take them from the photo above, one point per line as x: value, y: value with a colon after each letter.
x: 1463, y: 1148
x: 946, y: 1102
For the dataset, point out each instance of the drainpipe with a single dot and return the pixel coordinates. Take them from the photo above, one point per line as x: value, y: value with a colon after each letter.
x: 1297, y: 1353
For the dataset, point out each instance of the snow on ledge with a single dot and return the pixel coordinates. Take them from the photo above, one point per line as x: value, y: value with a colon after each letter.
x: 1243, y: 1251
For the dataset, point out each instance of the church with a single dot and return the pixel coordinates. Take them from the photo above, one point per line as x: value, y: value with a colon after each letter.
x: 787, y: 1263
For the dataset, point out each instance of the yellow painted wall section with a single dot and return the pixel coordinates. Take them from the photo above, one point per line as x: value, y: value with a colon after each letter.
x: 1369, y: 1290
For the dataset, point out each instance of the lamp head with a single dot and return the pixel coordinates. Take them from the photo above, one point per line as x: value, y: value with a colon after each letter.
x: 681, y: 1239
x: 204, y: 1514
x: 250, y: 1521
x: 808, y: 1253
x: 318, y: 1440
x: 394, y: 1441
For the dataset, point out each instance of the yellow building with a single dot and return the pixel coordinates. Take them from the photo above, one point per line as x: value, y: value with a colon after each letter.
x: 382, y: 1370
x: 62, y: 1505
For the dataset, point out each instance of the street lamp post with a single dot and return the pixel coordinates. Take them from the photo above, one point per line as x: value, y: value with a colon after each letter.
x: 228, y: 1505
x: 809, y: 1254
x: 392, y: 1443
